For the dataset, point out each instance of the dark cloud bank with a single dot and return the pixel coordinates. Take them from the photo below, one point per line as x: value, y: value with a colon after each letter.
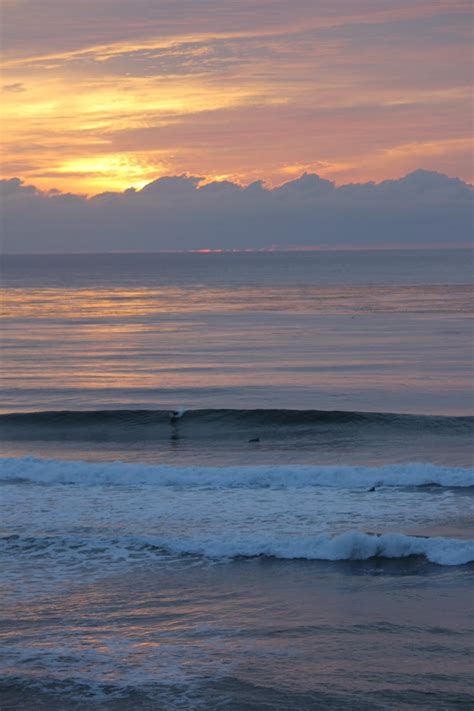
x: 176, y: 213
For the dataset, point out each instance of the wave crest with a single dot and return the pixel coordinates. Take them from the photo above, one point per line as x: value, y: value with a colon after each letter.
x: 351, y: 545
x: 118, y: 425
x: 43, y: 471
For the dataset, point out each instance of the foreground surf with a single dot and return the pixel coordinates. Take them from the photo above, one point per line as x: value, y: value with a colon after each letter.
x: 352, y: 545
x: 44, y: 471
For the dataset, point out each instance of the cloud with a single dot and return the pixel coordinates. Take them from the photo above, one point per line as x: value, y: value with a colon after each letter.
x: 15, y: 88
x: 85, y: 25
x: 184, y: 212
x: 120, y: 92
x: 14, y: 187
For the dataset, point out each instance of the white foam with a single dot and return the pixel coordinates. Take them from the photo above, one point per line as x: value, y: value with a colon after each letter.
x: 43, y: 471
x: 178, y: 412
x: 352, y: 545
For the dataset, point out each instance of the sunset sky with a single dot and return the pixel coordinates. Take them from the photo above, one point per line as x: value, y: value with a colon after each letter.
x: 102, y: 95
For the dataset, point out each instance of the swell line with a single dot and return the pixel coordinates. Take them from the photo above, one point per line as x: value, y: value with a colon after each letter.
x: 202, y: 423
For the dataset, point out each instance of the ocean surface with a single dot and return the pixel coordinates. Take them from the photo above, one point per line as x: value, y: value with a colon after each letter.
x: 237, y: 481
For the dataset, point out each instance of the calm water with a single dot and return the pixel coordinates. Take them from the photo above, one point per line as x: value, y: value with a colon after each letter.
x: 376, y: 331
x: 299, y: 536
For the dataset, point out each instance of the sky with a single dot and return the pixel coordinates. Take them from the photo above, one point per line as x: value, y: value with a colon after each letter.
x: 105, y: 95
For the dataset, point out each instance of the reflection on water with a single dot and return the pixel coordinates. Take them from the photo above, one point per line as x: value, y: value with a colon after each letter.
x: 340, y: 348
x: 373, y: 331
x: 256, y: 633
x: 73, y: 305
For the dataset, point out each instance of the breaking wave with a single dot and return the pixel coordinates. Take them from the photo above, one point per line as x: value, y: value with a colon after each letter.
x: 43, y: 471
x: 352, y: 545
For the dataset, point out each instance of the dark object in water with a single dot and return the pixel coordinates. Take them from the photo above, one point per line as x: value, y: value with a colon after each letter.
x: 372, y: 489
x: 255, y: 439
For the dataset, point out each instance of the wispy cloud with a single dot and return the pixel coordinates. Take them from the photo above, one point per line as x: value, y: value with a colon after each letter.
x: 15, y: 87
x: 121, y: 91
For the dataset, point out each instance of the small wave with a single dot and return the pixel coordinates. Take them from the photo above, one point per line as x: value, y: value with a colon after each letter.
x: 43, y: 471
x: 70, y: 549
x: 352, y: 545
x: 272, y: 423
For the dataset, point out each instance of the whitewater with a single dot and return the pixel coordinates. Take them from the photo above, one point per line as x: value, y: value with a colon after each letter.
x: 315, y: 513
x: 118, y: 473
x: 167, y: 573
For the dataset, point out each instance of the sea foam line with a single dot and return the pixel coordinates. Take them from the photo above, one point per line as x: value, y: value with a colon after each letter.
x: 44, y: 471
x: 351, y: 545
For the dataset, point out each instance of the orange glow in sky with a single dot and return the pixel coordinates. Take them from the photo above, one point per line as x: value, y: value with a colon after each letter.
x: 101, y: 96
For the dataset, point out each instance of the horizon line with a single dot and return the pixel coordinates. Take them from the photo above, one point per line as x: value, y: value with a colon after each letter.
x: 262, y: 250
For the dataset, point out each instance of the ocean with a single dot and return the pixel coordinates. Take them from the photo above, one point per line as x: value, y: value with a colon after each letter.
x: 237, y: 481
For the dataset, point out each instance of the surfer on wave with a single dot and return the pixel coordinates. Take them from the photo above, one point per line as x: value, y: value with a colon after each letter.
x: 175, y: 415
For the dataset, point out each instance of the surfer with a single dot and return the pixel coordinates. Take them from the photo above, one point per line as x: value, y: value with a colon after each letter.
x: 174, y: 417
x: 176, y: 414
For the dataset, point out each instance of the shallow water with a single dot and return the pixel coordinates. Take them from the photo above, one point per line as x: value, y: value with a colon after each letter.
x: 253, y: 634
